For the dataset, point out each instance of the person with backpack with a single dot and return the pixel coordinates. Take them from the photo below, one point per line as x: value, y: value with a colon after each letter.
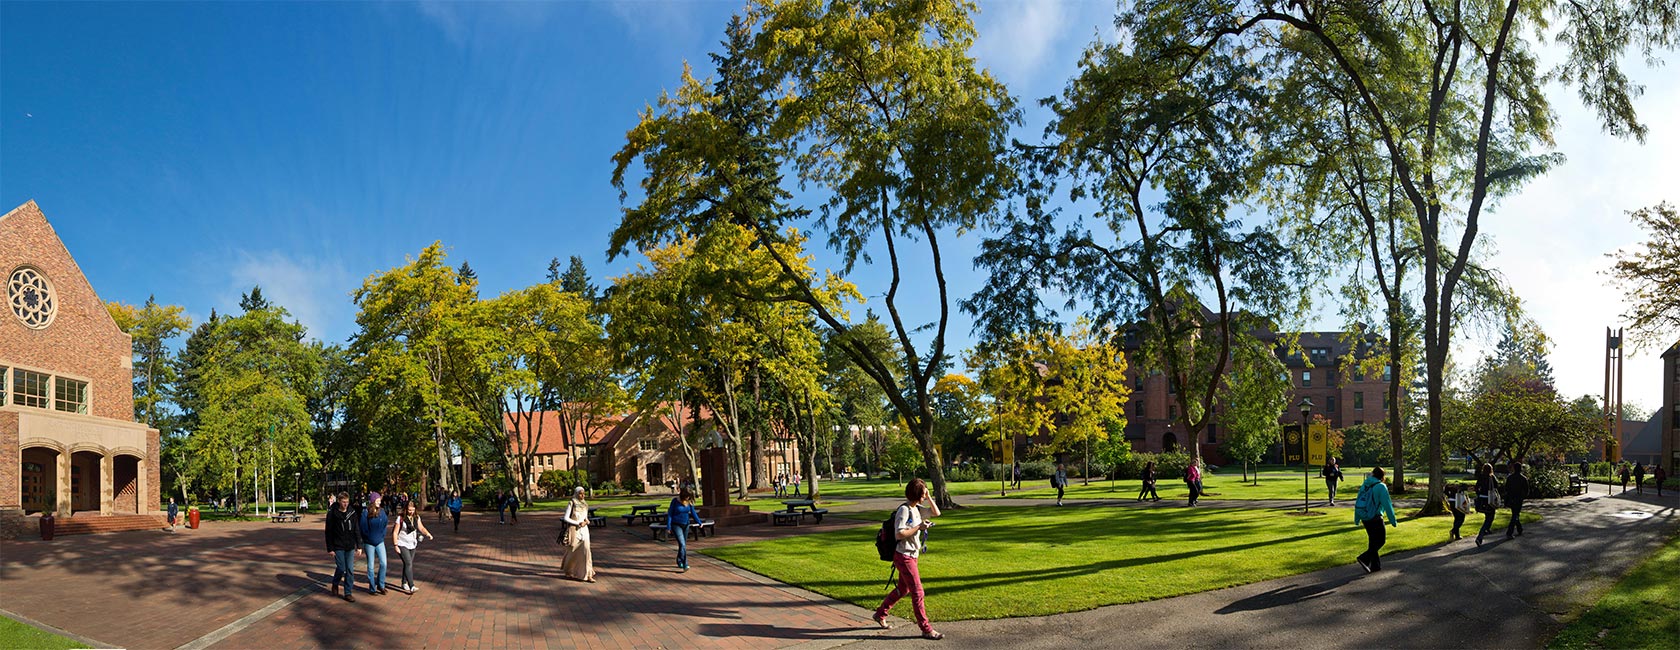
x: 1149, y: 483
x: 1059, y: 481
x: 406, y: 537
x: 1624, y: 477
x: 344, y: 538
x: 1639, y: 478
x: 905, y: 534
x: 513, y: 507
x: 1017, y: 484
x: 1458, y: 501
x: 1516, y: 491
x: 1368, y: 509
x: 1193, y: 479
x: 455, y: 508
x: 1332, y: 474
x: 1658, y: 475
x: 1487, y: 498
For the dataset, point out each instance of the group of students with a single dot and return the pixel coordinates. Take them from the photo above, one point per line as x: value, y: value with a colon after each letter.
x: 782, y: 482
x: 1638, y: 472
x: 363, y: 531
x: 1490, y: 494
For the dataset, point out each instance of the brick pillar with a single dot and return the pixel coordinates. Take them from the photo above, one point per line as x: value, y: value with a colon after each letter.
x: 142, y: 488
x: 64, y: 502
x: 107, y: 474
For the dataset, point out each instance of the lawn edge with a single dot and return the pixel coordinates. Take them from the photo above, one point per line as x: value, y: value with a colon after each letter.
x: 86, y: 642
x: 1570, y: 620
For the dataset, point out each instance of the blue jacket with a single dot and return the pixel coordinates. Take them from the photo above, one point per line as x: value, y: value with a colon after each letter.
x: 374, y: 528
x: 1373, y: 501
x: 679, y: 514
x: 455, y: 504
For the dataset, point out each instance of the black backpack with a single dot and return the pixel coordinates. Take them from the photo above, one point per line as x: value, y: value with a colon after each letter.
x: 886, y: 541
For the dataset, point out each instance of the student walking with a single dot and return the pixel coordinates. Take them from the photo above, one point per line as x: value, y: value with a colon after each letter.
x: 173, y: 511
x: 910, y: 527
x: 1458, y: 500
x: 796, y: 483
x: 1639, y: 478
x: 1487, y: 491
x: 513, y: 507
x: 1017, y: 484
x: 455, y: 509
x: 1516, y: 491
x: 1148, y: 489
x: 406, y: 537
x: 1193, y: 479
x: 374, y: 522
x: 344, y: 538
x: 678, y: 517
x: 1373, y: 503
x: 501, y: 507
x: 1059, y: 481
x: 1624, y: 477
x: 1658, y: 475
x: 579, y: 563
x: 1332, y: 474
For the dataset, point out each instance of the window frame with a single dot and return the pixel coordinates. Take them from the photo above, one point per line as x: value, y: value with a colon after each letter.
x: 1358, y: 400
x: 58, y: 384
x: 46, y: 395
x: 1306, y: 379
x: 647, y: 444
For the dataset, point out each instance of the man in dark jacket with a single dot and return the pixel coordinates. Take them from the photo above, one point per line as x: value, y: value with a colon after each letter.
x: 1516, y: 489
x: 344, y: 537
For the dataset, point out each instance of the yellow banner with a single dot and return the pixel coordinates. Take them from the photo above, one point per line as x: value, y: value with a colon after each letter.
x: 1318, y: 442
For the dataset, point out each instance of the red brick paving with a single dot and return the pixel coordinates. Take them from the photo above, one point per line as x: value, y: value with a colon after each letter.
x: 489, y: 586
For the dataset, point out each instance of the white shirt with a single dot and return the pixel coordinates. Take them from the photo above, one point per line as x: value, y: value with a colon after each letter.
x: 407, y: 539
x: 577, y: 516
x: 907, y: 516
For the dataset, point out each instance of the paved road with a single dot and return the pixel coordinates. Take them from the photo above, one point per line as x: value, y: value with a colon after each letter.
x: 1506, y: 594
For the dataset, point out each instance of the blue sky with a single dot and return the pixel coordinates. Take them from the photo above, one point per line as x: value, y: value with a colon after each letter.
x: 193, y: 150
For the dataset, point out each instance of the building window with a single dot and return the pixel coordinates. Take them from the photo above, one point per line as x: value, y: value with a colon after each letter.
x: 1358, y: 400
x: 1330, y: 404
x: 1213, y: 433
x: 1137, y: 381
x: 1388, y: 373
x: 31, y: 298
x: 1358, y: 423
x: 648, y: 444
x: 1172, y: 412
x: 70, y: 395
x: 29, y: 388
x: 1306, y: 378
x: 1320, y: 356
x: 3, y: 375
x: 1137, y: 410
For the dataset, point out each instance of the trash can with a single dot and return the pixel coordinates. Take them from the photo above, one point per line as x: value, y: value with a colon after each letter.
x: 192, y: 518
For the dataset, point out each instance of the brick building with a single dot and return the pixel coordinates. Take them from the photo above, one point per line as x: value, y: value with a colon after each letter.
x: 67, y: 431
x: 1668, y: 417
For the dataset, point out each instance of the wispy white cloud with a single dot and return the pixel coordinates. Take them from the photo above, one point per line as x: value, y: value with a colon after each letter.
x: 316, y: 291
x: 1018, y: 37
x: 446, y: 16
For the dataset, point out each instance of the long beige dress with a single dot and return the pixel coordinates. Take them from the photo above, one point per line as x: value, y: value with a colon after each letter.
x: 579, y: 563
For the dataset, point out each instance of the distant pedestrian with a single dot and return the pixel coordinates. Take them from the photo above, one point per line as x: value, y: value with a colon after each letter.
x: 796, y: 478
x: 455, y: 508
x: 442, y: 504
x: 344, y: 539
x: 579, y: 563
x: 1658, y: 475
x: 776, y: 484
x: 374, y: 521
x: 910, y: 527
x: 1624, y: 477
x: 1639, y: 478
x: 1458, y: 501
x: 1368, y: 509
x: 678, y: 517
x: 1487, y: 495
x: 1148, y: 489
x: 1583, y: 470
x: 1193, y: 480
x: 1332, y: 474
x: 303, y: 504
x: 513, y: 507
x: 1017, y: 483
x: 406, y: 537
x: 1059, y: 481
x: 1516, y: 491
x: 501, y: 507
x: 173, y: 512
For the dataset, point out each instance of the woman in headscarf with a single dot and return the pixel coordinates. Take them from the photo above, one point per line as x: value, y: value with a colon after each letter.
x: 579, y: 563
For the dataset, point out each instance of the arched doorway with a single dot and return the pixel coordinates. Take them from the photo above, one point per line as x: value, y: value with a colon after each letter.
x: 1169, y: 442
x: 38, y: 480
x: 125, y: 483
x: 85, y: 487
x: 655, y: 475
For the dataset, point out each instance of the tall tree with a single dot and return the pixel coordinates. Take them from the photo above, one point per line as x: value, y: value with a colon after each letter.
x: 1450, y: 92
x: 1651, y: 277
x: 903, y: 134
x: 151, y: 326
x: 1253, y: 397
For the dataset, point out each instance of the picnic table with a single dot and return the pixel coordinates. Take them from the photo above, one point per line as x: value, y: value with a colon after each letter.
x: 797, y: 509
x: 284, y: 516
x: 646, y: 513
x: 704, y: 528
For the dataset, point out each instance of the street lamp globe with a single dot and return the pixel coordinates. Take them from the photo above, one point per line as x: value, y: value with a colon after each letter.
x: 1306, y: 409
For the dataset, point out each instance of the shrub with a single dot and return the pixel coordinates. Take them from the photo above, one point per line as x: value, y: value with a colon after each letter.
x: 607, y: 487
x: 634, y: 486
x: 560, y: 483
x: 968, y: 472
x: 1168, y: 466
x: 1548, y: 483
x: 1037, y: 470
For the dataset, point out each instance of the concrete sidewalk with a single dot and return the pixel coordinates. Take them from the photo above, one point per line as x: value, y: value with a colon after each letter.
x: 1506, y: 594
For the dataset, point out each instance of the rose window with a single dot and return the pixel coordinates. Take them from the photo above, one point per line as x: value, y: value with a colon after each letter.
x: 31, y: 297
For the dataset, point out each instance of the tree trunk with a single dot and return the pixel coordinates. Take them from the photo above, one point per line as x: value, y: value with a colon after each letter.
x: 1087, y: 471
x: 1396, y: 353
x: 757, y: 427
x: 443, y: 450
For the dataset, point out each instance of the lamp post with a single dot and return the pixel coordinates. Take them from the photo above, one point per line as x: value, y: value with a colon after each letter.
x: 1306, y: 480
x: 297, y: 477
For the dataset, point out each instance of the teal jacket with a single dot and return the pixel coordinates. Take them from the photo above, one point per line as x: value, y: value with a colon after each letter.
x: 1373, y: 501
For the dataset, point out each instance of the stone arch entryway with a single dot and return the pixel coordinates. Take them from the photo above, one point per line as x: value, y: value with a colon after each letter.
x: 38, y: 478
x: 86, y: 486
x: 1169, y: 442
x: 125, y: 484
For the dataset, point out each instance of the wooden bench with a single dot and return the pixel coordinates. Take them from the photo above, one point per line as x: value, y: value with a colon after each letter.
x: 705, y: 528
x: 1577, y: 485
x: 285, y: 517
x: 597, y: 520
x: 785, y: 518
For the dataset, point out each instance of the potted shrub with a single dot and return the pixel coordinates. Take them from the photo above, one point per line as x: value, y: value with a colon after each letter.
x: 48, y: 520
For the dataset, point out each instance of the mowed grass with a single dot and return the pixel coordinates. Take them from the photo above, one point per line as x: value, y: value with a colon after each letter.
x: 19, y: 635
x: 1641, y: 611
x: 1283, y: 484
x: 995, y: 562
x: 889, y: 488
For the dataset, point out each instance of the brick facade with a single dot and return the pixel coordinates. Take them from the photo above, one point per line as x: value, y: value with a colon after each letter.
x: 1669, y: 416
x: 80, y: 342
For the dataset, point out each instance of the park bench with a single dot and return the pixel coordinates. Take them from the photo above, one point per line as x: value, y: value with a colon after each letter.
x: 786, y: 517
x: 285, y: 516
x: 1577, y: 485
x: 705, y: 528
x: 816, y: 513
x: 597, y: 520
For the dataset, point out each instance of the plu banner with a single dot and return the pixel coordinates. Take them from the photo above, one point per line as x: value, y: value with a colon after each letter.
x: 1318, y: 442
x: 1293, y: 444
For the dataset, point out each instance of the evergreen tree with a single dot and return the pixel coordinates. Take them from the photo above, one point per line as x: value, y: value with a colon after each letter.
x: 253, y: 301
x: 466, y: 274
x: 575, y: 279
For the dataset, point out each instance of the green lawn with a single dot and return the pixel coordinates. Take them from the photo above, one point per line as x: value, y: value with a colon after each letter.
x: 18, y: 635
x: 889, y: 488
x: 1641, y: 611
x: 1276, y: 483
x: 995, y: 562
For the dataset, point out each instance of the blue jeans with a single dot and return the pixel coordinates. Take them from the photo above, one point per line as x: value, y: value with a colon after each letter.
x: 680, y: 533
x: 345, y: 568
x: 376, y: 581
